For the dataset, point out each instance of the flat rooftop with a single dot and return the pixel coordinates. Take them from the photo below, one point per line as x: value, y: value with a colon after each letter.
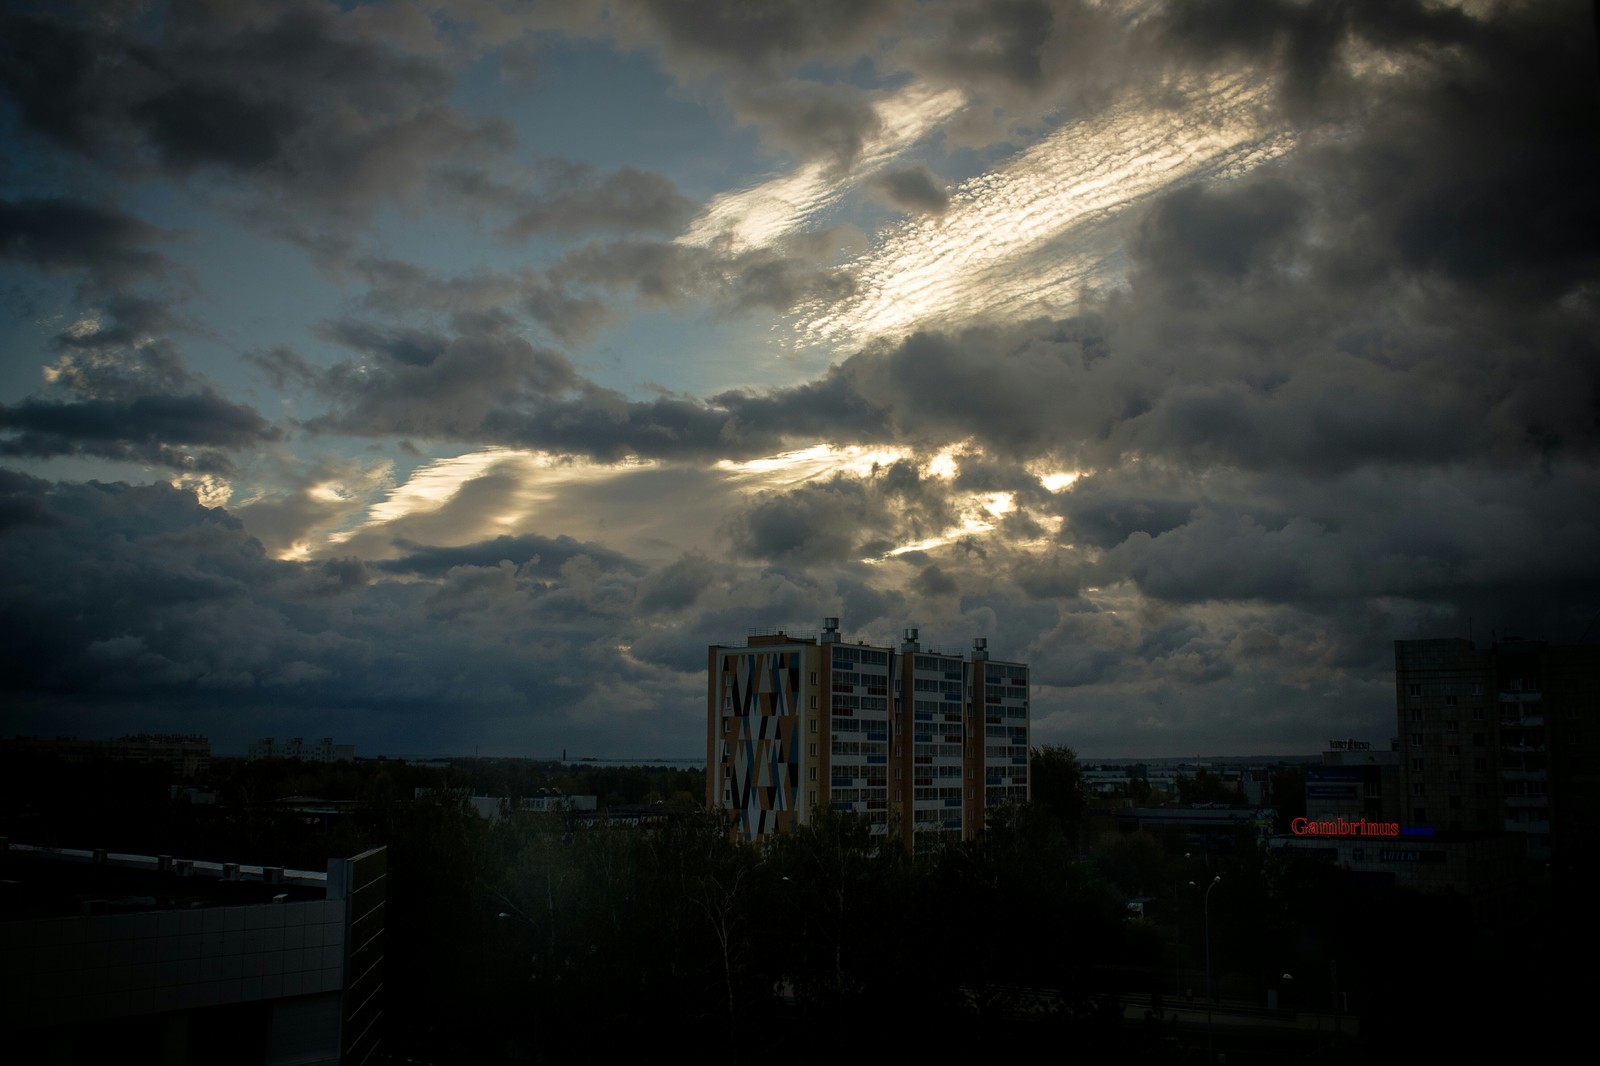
x: 38, y: 882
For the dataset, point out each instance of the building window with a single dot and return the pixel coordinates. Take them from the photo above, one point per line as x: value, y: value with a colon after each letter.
x: 811, y: 773
x: 1416, y: 740
x: 1480, y: 790
x: 1477, y: 688
x: 727, y: 725
x: 813, y: 703
x: 1477, y: 740
x: 1416, y: 765
x: 1414, y: 690
x: 813, y: 795
x: 813, y: 725
x: 1419, y: 789
x: 811, y: 750
x: 1451, y: 725
x: 1454, y: 751
x: 1480, y: 764
x: 1477, y: 714
x: 1449, y: 701
x: 1419, y: 814
x: 1455, y: 775
x: 1455, y: 803
x: 1416, y: 714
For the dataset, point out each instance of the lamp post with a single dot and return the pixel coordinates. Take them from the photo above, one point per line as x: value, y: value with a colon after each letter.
x: 1210, y: 998
x: 1177, y: 930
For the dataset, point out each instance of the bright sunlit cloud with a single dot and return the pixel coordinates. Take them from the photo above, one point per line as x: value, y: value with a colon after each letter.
x: 764, y: 213
x: 536, y: 477
x: 1027, y: 237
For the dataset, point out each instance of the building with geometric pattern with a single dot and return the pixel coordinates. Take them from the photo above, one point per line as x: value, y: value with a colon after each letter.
x: 922, y: 744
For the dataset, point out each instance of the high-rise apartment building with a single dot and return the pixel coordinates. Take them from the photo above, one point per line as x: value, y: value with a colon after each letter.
x: 1502, y: 738
x: 924, y: 744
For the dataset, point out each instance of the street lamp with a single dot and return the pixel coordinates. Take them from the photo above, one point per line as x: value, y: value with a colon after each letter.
x: 1210, y: 998
x: 1177, y: 930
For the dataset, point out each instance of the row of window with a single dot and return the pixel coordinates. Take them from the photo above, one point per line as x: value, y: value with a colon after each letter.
x: 1419, y: 715
x: 870, y: 656
x: 1414, y: 691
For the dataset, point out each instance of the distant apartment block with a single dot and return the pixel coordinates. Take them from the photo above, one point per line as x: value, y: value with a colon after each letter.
x: 324, y: 750
x: 187, y: 755
x: 1502, y: 738
x: 1354, y: 779
x: 923, y: 744
x: 137, y: 958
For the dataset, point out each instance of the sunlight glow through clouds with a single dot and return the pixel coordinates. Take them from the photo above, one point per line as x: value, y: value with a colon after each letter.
x: 1025, y: 238
x: 539, y: 477
x: 819, y: 460
x: 764, y: 213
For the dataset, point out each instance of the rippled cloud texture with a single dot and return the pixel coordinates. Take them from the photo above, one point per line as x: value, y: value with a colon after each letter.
x: 445, y: 377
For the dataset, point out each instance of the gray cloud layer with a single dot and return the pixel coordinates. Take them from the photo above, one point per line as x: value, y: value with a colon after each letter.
x: 1349, y: 397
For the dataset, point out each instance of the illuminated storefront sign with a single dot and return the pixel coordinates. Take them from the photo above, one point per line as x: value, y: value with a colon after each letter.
x: 1358, y: 827
x: 1339, y: 827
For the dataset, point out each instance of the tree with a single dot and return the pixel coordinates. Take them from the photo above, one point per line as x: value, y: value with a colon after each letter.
x: 1206, y: 787
x: 1058, y: 789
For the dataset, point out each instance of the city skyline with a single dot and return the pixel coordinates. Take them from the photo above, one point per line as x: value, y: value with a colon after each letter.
x: 448, y: 377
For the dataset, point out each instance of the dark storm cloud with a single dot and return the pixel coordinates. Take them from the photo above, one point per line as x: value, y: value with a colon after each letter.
x: 914, y: 189
x: 530, y: 553
x: 54, y: 74
x: 809, y: 120
x: 1105, y: 511
x: 931, y: 580
x: 677, y: 585
x: 997, y: 41
x: 777, y: 278
x: 56, y: 233
x: 844, y: 517
x: 756, y: 35
x: 192, y: 125
x: 139, y: 602
x: 1198, y: 233
x: 305, y: 99
x: 184, y: 432
x: 399, y: 289
x: 417, y: 382
x: 569, y: 198
x: 129, y: 396
x: 1304, y: 41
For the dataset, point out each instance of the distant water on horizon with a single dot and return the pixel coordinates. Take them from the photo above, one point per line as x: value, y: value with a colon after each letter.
x: 698, y: 763
x: 676, y: 764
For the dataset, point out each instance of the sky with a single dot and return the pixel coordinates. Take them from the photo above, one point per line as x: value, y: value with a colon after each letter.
x: 446, y: 377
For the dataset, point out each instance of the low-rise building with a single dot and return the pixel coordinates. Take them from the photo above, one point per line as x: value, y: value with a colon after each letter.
x: 324, y: 750
x: 114, y: 958
x: 186, y: 754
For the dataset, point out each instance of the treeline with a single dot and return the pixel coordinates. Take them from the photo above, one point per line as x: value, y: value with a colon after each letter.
x: 529, y: 940
x: 541, y: 939
x: 251, y: 812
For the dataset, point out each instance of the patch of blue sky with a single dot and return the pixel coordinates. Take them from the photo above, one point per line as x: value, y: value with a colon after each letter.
x: 592, y: 104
